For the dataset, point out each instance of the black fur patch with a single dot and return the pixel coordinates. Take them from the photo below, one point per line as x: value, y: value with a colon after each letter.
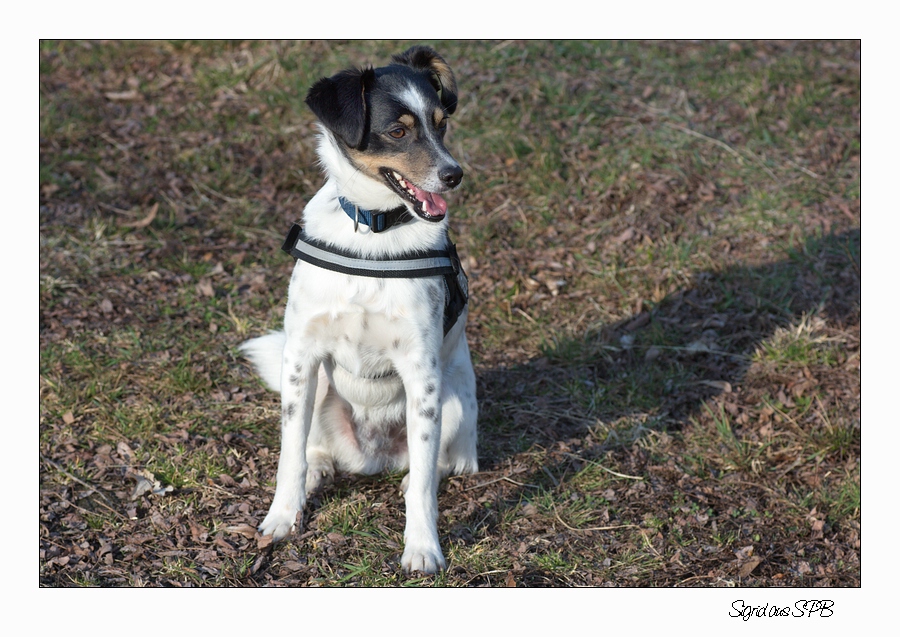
x: 339, y: 102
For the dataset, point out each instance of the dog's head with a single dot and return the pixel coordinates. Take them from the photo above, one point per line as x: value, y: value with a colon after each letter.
x: 390, y: 122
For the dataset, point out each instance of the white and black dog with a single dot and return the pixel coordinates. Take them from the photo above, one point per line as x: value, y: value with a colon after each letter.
x: 373, y: 365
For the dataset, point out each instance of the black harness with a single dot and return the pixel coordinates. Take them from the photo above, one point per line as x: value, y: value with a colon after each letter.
x: 412, y: 265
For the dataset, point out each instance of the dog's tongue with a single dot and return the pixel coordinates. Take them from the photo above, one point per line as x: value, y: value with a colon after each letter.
x: 436, y: 206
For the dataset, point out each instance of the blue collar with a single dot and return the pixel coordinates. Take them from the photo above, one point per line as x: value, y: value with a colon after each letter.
x: 378, y: 220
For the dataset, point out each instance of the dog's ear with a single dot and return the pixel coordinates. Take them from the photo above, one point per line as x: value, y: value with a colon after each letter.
x: 339, y: 102
x: 424, y: 58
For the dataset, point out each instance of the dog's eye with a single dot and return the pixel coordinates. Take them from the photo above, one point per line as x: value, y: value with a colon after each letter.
x: 397, y: 133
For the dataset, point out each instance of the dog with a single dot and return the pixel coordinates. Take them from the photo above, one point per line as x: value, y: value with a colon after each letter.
x: 373, y: 364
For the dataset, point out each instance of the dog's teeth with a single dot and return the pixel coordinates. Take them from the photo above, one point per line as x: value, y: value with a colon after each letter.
x: 406, y: 185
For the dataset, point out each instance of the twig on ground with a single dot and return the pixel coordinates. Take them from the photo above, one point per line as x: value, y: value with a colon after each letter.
x: 214, y: 193
x: 600, y: 466
x: 550, y: 475
x: 593, y: 528
x: 501, y: 479
x: 805, y: 171
x: 90, y: 487
x: 724, y: 146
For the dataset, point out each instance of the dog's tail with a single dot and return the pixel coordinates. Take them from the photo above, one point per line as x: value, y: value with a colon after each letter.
x: 266, y: 352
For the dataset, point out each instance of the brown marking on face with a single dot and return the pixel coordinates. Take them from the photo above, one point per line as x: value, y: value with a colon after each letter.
x: 367, y: 162
x: 415, y: 165
x: 438, y: 116
x: 407, y: 120
x: 442, y: 69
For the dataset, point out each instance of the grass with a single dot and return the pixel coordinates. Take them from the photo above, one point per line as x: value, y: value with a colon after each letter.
x: 664, y: 258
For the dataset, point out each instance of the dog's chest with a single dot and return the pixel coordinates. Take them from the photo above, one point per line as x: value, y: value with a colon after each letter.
x: 362, y: 323
x: 361, y: 342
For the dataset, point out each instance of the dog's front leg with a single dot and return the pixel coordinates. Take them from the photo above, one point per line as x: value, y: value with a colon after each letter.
x: 299, y: 379
x: 422, y: 549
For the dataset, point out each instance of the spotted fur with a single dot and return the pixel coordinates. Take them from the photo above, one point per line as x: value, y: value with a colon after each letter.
x: 372, y: 383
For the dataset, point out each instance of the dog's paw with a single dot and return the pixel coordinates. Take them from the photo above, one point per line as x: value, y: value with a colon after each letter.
x: 404, y: 485
x: 319, y: 475
x: 422, y: 559
x: 279, y: 523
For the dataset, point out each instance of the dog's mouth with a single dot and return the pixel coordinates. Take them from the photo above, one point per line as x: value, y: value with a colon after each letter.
x: 428, y: 205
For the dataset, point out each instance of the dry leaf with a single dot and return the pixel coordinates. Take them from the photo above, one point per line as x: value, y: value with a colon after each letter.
x: 147, y: 483
x: 748, y: 566
x: 698, y: 347
x: 637, y: 322
x: 146, y: 221
x: 123, y: 96
x: 205, y: 288
x: 292, y: 566
x: 818, y: 528
x: 243, y: 529
x: 744, y: 553
x: 722, y: 385
x: 125, y: 451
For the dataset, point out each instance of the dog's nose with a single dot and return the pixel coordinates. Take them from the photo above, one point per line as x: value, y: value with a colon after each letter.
x: 451, y: 175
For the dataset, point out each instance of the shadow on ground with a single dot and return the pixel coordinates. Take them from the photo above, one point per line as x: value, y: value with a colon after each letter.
x: 662, y: 364
x: 680, y: 501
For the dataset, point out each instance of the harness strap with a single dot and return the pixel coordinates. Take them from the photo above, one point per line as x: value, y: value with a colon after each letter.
x: 413, y: 265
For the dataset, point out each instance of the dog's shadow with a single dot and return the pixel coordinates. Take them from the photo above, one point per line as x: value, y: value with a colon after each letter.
x: 656, y: 370
x: 668, y: 360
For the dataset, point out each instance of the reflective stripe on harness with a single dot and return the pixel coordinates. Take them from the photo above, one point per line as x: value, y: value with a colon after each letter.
x: 413, y: 265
